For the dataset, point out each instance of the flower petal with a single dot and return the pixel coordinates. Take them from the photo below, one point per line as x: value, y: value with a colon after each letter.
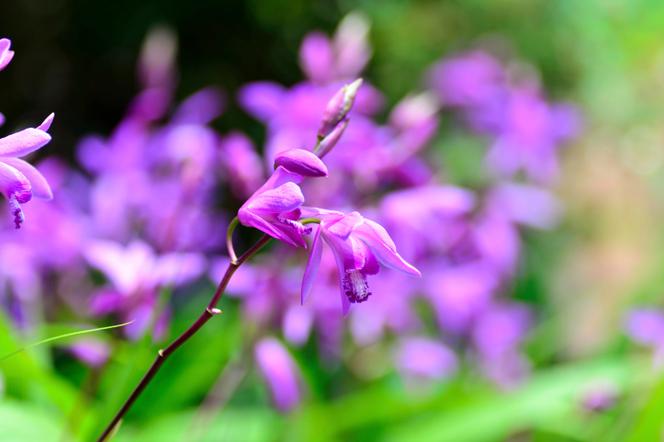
x: 6, y: 54
x: 46, y: 124
x: 280, y: 372
x: 313, y: 263
x: 345, y: 225
x: 262, y: 99
x: 23, y: 142
x: 382, y: 246
x: 250, y: 219
x: 284, y: 198
x: 317, y: 57
x: 14, y: 183
x: 40, y: 187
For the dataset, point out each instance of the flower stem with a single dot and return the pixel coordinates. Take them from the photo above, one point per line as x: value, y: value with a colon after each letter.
x: 229, y: 239
x: 204, y: 317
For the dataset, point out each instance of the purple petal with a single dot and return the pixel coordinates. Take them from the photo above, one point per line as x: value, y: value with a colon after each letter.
x: 527, y: 205
x: 23, y: 142
x: 350, y: 41
x: 105, y: 302
x: 250, y: 219
x: 14, y: 183
x: 262, y: 99
x: 311, y: 269
x: 284, y: 198
x: 121, y: 265
x: 297, y: 324
x: 46, y: 124
x: 425, y: 358
x: 200, y: 108
x: 646, y: 326
x: 317, y: 57
x: 142, y: 317
x: 243, y: 165
x: 90, y: 351
x: 380, y: 243
x: 328, y: 143
x: 280, y: 372
x: 40, y: 187
x: 345, y: 225
x: 302, y: 162
x: 6, y: 54
x: 178, y: 268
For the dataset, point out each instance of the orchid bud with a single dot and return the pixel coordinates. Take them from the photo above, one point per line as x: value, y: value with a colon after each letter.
x: 328, y: 143
x: 338, y: 107
x: 301, y: 162
x: 156, y: 66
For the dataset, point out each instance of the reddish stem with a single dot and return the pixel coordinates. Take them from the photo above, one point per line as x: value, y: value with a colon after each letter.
x: 162, y: 355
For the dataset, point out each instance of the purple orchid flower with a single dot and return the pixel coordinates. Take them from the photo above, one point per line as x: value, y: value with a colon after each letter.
x: 358, y: 245
x: 274, y: 208
x: 20, y: 181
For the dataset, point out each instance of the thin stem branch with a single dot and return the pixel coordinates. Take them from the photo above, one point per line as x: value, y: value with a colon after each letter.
x: 202, y: 319
x: 229, y: 239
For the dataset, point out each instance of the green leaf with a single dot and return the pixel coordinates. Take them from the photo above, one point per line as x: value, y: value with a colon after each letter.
x: 20, y: 422
x: 246, y: 425
x: 546, y: 398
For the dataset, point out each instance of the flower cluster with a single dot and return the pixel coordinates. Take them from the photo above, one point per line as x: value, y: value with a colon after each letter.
x: 144, y: 219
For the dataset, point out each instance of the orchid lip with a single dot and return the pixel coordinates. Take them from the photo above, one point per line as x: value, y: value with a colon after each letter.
x: 355, y: 286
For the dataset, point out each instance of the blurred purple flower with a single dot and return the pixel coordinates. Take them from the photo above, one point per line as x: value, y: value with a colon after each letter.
x: 424, y: 358
x: 280, y: 373
x: 136, y: 273
x: 646, y: 327
x: 90, y: 351
x: 459, y: 294
x: 600, y: 396
x: 497, y: 336
x: 242, y: 164
x: 469, y: 80
x: 529, y: 135
x: 341, y: 58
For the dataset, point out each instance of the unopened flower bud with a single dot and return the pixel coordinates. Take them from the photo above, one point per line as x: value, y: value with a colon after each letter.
x: 301, y: 162
x: 328, y: 143
x: 338, y: 107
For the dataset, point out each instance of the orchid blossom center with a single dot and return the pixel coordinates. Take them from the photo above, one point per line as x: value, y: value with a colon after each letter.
x: 355, y: 286
x: 16, y: 211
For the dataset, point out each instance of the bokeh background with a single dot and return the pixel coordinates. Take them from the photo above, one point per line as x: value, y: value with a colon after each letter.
x: 582, y: 279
